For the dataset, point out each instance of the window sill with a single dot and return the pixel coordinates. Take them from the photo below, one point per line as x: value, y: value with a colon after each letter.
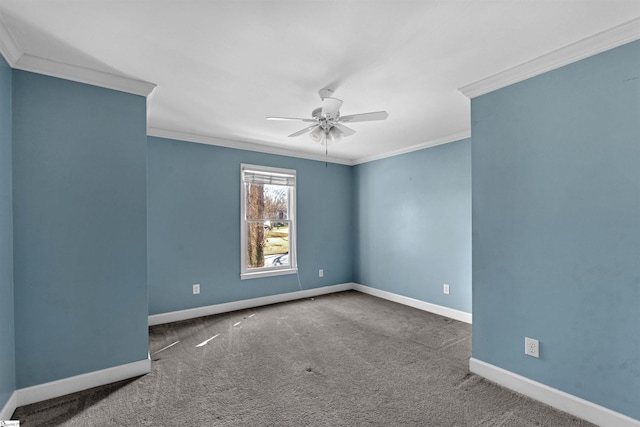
x: 268, y: 273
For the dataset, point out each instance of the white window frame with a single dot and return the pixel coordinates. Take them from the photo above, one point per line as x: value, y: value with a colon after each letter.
x: 267, y: 271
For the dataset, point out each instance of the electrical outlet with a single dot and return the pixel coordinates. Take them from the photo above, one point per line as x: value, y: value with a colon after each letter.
x: 321, y: 273
x: 531, y: 347
x: 445, y: 289
x: 196, y: 288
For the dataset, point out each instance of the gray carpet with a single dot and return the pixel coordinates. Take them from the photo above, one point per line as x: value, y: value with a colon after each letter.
x: 345, y: 359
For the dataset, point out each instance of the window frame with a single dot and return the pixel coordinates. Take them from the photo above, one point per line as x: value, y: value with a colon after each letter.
x: 267, y: 271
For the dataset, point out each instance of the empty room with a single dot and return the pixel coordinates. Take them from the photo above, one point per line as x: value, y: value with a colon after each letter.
x: 320, y: 213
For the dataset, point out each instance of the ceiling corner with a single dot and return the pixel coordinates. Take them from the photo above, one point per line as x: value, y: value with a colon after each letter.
x: 427, y: 144
x: 600, y: 42
x: 17, y: 58
x: 79, y: 74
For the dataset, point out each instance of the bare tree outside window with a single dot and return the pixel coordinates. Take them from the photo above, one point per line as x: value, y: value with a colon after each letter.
x: 255, y: 210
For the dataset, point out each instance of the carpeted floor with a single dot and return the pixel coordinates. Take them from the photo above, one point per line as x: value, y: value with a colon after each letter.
x: 345, y: 359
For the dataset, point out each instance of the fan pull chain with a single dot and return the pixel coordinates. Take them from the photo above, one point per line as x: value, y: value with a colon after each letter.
x: 326, y: 155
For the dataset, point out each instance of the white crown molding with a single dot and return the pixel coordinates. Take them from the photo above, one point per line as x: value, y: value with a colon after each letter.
x: 40, y: 392
x: 20, y: 60
x: 600, y: 42
x: 75, y: 73
x: 249, y: 146
x: 558, y: 399
x: 241, y: 145
x: 8, y: 45
x: 427, y: 144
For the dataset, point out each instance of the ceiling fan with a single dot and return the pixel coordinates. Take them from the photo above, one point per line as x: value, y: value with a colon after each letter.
x: 327, y: 123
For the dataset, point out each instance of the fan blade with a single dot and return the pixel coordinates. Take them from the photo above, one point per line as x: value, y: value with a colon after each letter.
x: 364, y: 117
x: 345, y: 130
x: 291, y: 118
x: 303, y: 131
x: 331, y: 107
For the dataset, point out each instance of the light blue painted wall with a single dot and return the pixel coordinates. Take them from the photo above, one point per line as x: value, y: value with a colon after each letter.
x: 556, y: 228
x: 79, y: 190
x: 7, y: 343
x: 194, y: 225
x: 413, y: 224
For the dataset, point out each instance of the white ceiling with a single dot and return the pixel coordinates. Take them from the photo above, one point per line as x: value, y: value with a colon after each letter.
x: 221, y: 67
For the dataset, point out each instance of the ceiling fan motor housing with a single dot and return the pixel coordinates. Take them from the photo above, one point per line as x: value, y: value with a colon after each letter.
x: 325, y: 93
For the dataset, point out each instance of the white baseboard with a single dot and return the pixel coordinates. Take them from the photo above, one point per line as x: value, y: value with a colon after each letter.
x: 192, y: 313
x: 558, y: 399
x: 10, y: 407
x: 40, y: 392
x: 415, y: 303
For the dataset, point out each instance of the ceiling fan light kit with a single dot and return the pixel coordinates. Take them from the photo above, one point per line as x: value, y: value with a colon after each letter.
x: 328, y: 127
x: 324, y: 136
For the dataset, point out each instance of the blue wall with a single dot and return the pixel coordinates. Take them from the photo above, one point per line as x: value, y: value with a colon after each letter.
x: 194, y: 225
x: 556, y: 228
x: 79, y: 192
x: 413, y: 224
x: 7, y: 343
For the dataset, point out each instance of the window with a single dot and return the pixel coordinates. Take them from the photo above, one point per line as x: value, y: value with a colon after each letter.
x: 267, y: 223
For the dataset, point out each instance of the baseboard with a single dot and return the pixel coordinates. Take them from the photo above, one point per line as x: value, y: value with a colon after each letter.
x: 565, y: 402
x: 415, y: 303
x: 40, y: 392
x: 192, y: 313
x: 9, y: 407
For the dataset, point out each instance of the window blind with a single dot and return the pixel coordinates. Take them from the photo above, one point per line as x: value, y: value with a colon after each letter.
x: 260, y: 177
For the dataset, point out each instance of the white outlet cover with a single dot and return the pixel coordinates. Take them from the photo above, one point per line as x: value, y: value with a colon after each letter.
x: 196, y: 288
x: 445, y: 289
x: 321, y: 273
x: 531, y: 347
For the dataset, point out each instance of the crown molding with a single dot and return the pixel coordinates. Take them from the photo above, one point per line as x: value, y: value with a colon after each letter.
x: 79, y: 74
x: 431, y: 143
x: 242, y: 145
x: 249, y: 146
x: 18, y: 59
x: 600, y: 42
x: 8, y: 45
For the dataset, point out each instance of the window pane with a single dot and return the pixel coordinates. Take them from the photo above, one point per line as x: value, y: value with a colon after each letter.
x: 267, y: 201
x: 268, y: 243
